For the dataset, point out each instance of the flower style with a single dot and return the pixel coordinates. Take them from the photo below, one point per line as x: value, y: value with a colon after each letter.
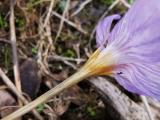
x: 130, y: 52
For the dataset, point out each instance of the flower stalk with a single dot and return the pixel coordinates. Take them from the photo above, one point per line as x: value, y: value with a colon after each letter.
x: 72, y: 80
x: 94, y: 66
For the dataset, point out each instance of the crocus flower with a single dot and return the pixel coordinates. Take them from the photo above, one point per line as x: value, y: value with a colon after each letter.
x: 132, y: 48
x: 129, y: 52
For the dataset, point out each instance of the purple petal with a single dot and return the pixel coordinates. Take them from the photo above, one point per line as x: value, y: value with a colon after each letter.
x: 135, y: 43
x: 141, y: 79
x: 103, y: 29
x: 138, y: 33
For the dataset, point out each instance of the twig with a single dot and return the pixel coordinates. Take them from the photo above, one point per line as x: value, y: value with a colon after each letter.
x: 43, y: 53
x: 8, y: 82
x: 148, y: 110
x: 49, y: 47
x: 5, y: 41
x: 51, y: 112
x: 14, y: 48
x: 70, y: 64
x: 70, y: 23
x: 46, y: 21
x: 57, y: 57
x: 81, y: 7
x: 6, y: 107
x: 49, y: 13
x: 126, y: 3
x: 62, y: 20
x: 2, y: 87
x: 66, y: 60
x: 109, y: 9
